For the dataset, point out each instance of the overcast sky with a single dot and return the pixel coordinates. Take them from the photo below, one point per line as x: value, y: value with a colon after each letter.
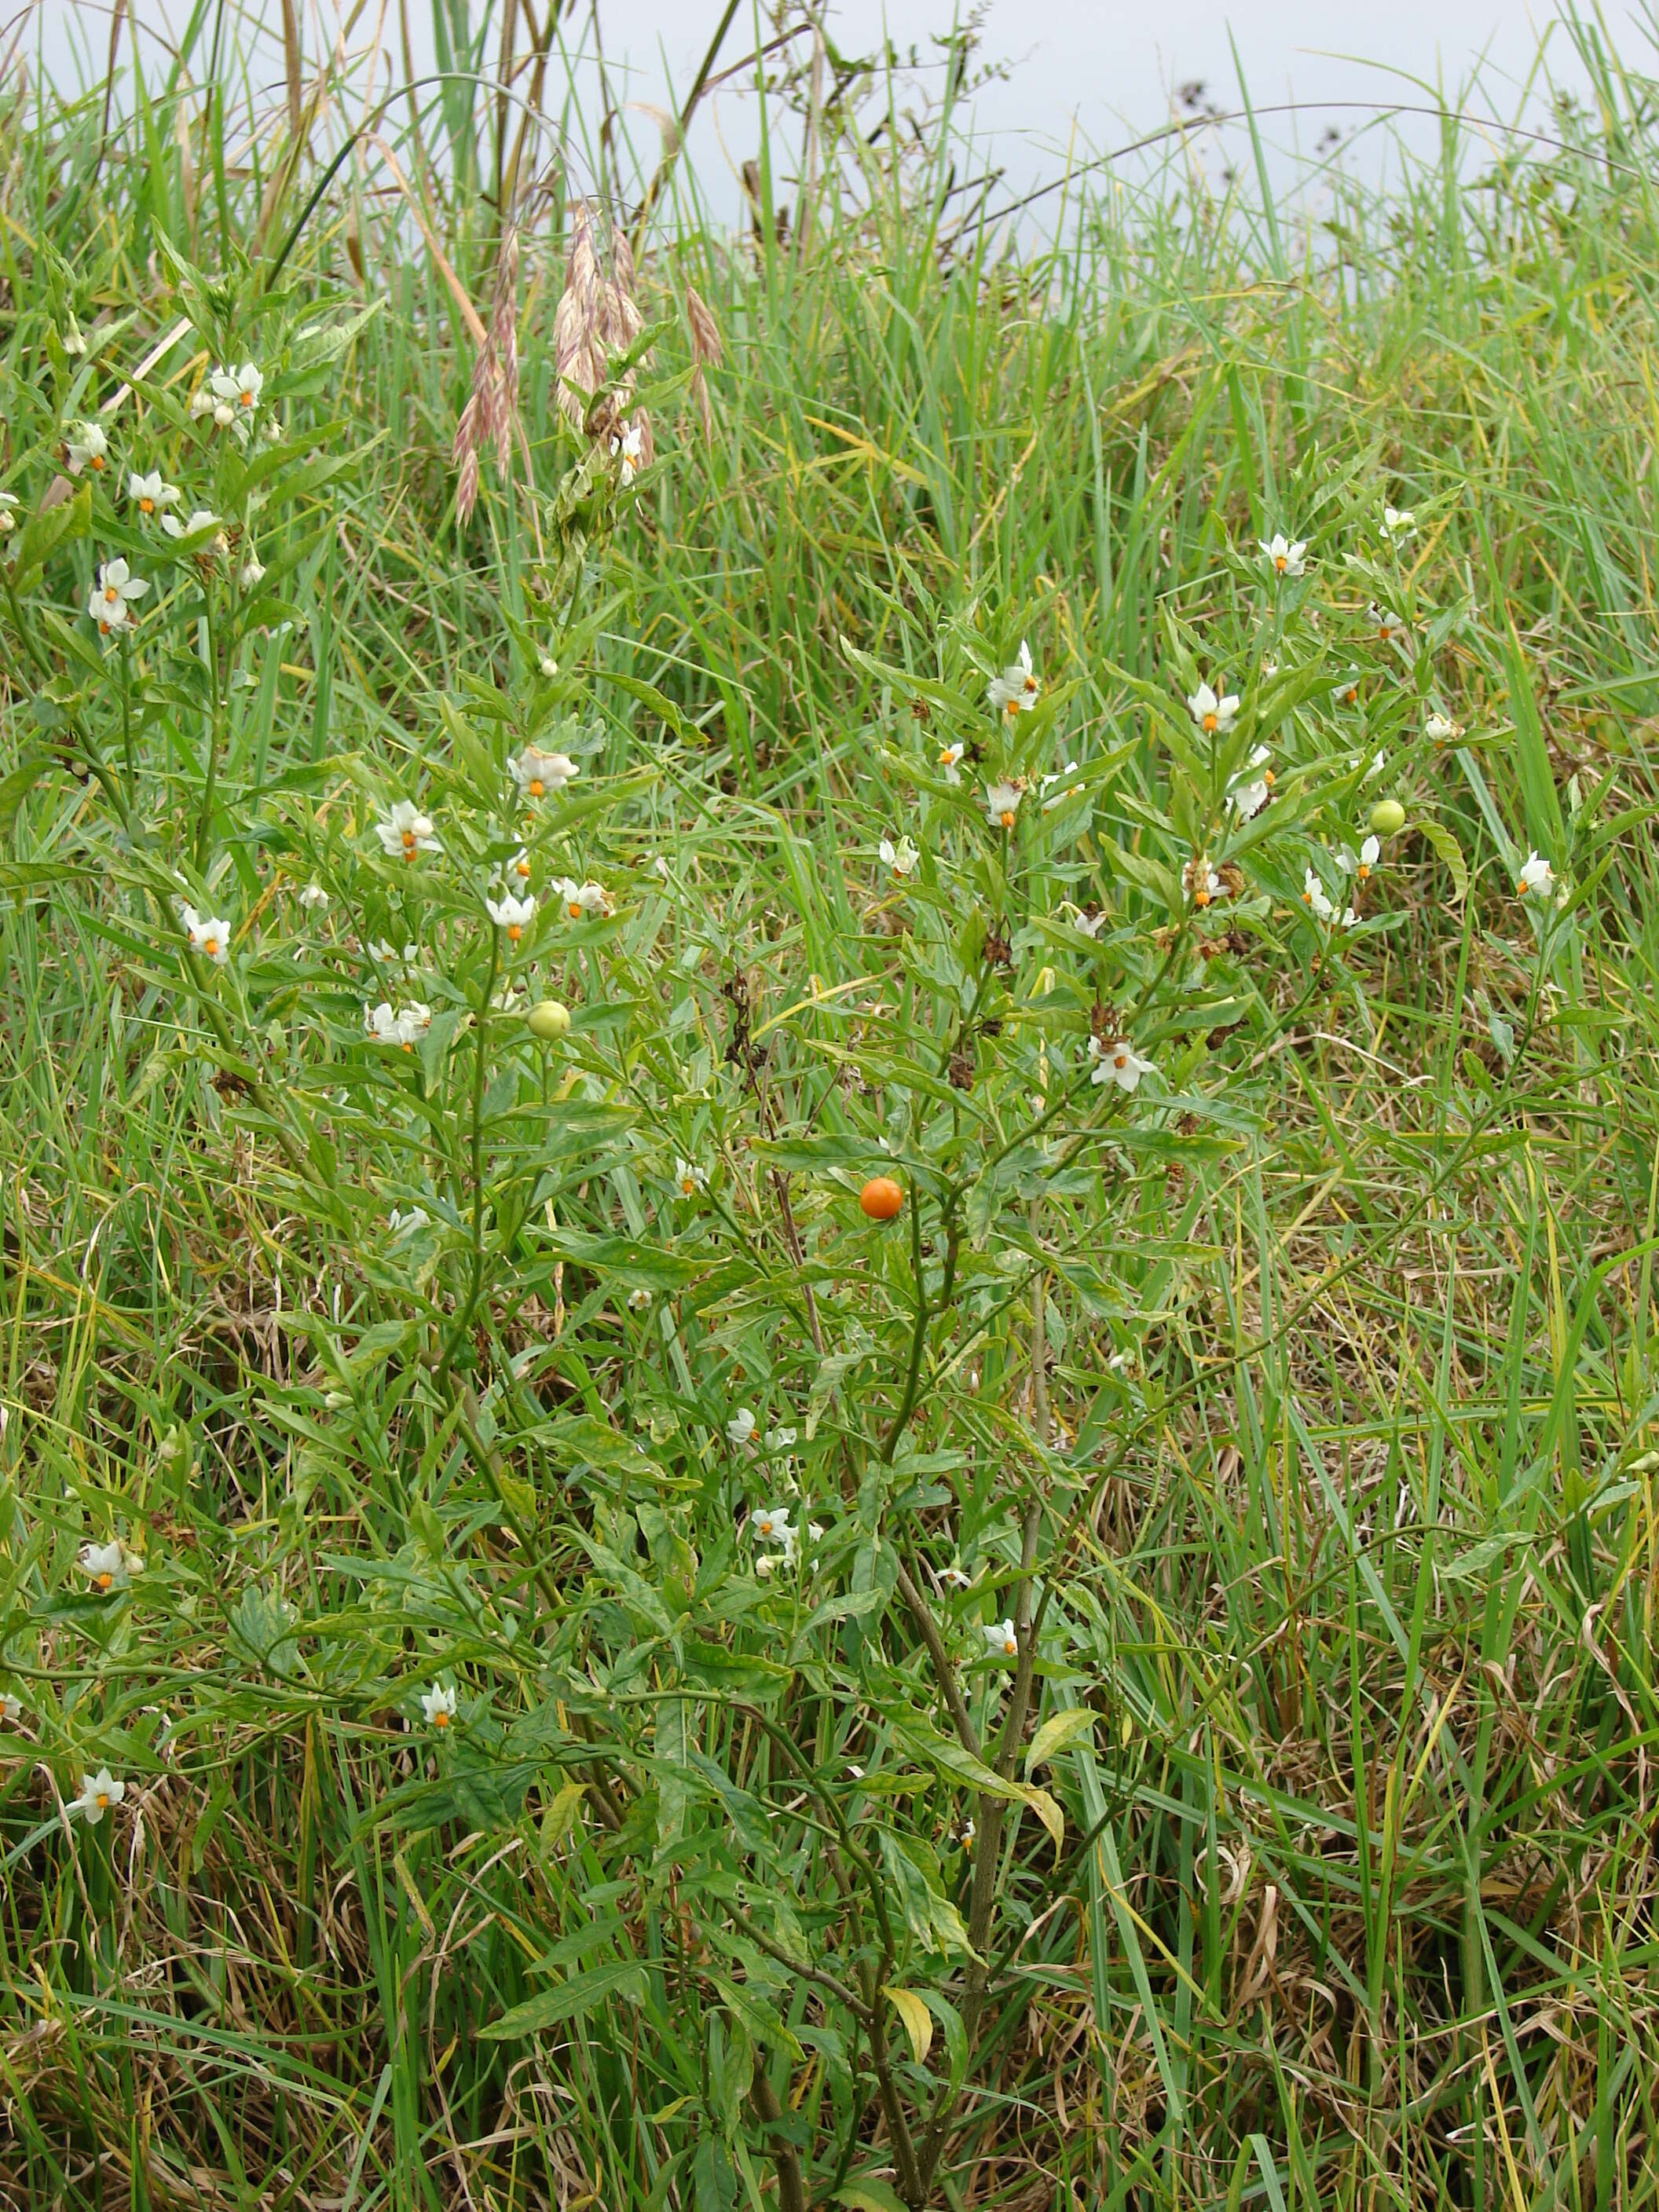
x: 1090, y: 74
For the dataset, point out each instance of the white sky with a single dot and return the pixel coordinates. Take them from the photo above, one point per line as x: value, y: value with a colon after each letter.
x: 1091, y: 74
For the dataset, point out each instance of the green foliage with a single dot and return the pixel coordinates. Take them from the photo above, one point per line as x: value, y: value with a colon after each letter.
x: 636, y: 1680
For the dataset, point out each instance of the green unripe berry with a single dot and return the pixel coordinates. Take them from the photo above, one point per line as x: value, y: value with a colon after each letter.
x: 548, y: 1021
x: 1388, y: 818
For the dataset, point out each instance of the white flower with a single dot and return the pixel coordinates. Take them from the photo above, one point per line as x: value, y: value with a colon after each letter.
x: 628, y: 446
x: 1442, y: 728
x: 249, y: 383
x: 513, y: 915
x: 741, y: 1426
x: 7, y: 511
x: 782, y: 1440
x: 580, y: 898
x: 108, y: 1565
x: 379, y: 950
x: 1200, y: 882
x: 1269, y: 665
x: 518, y: 865
x: 772, y: 1522
x: 1002, y: 804
x: 113, y: 596
x: 88, y: 448
x: 949, y: 758
x: 1070, y: 791
x: 901, y: 858
x: 313, y: 898
x: 11, y: 1709
x: 1369, y: 853
x: 201, y: 518
x: 71, y: 337
x: 251, y: 572
x: 1390, y: 628
x: 1117, y: 1062
x: 964, y: 1833
x: 405, y: 1224
x: 999, y: 1638
x: 438, y: 1703
x: 208, y: 934
x: 957, y: 1577
x: 536, y: 774
x: 690, y: 1178
x: 1536, y: 875
x: 1248, y: 793
x: 406, y: 831
x: 1398, y: 522
x: 405, y: 1026
x: 1089, y: 925
x: 1284, y: 558
x: 1017, y: 689
x: 1314, y: 894
x: 639, y: 1300
x: 549, y: 667
x: 97, y: 1793
x: 150, y: 494
x: 1214, y: 711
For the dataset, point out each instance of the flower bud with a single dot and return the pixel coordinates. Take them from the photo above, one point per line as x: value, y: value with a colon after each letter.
x: 548, y: 1021
x: 1388, y: 818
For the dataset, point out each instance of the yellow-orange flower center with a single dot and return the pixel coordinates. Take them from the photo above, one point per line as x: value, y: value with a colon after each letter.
x: 1212, y: 724
x: 211, y: 946
x: 537, y: 787
x: 1008, y: 818
x: 103, y: 1581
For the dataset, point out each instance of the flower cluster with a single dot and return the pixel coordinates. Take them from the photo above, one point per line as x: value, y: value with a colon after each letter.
x: 229, y: 400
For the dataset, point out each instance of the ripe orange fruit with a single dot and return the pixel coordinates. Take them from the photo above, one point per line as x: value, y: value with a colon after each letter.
x: 881, y: 1198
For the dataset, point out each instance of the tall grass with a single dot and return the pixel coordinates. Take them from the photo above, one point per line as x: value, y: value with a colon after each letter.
x: 1297, y: 1410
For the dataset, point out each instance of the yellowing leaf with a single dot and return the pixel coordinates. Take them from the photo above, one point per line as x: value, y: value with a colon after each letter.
x: 870, y: 2193
x: 918, y: 2021
x: 1056, y: 1732
x: 561, y: 1816
x: 1048, y: 1810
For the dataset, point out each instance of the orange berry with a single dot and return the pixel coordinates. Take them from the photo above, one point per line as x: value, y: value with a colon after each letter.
x: 881, y: 1198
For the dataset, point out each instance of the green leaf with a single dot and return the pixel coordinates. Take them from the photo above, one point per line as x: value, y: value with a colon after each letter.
x: 624, y: 1979
x: 42, y: 534
x: 1440, y: 839
x: 15, y: 787
x: 763, y: 2026
x: 648, y: 695
x: 1532, y: 759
